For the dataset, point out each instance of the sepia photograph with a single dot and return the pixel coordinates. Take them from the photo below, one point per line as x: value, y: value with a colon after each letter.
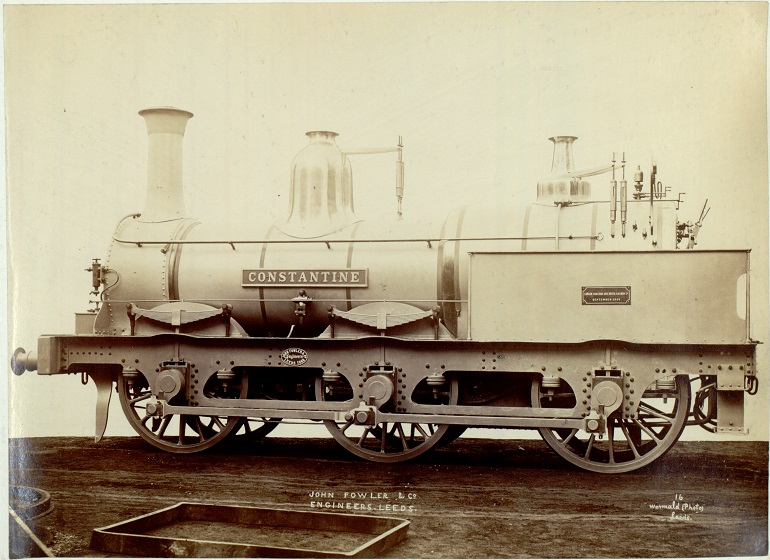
x: 387, y: 280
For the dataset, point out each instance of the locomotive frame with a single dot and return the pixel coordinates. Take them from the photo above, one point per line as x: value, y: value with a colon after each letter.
x: 601, y: 383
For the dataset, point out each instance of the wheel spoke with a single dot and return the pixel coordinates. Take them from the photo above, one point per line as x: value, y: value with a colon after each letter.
x: 140, y: 398
x: 402, y: 437
x: 631, y: 444
x: 363, y: 436
x: 566, y: 440
x: 384, y: 436
x: 652, y: 411
x: 201, y: 429
x: 182, y: 424
x: 590, y: 445
x: 611, y: 438
x: 419, y: 429
x: 657, y: 428
x: 648, y: 431
x: 163, y: 426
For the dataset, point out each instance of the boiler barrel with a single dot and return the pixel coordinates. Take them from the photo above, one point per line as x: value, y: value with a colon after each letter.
x: 260, y: 280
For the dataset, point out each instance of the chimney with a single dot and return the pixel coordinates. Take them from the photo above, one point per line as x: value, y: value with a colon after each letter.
x: 165, y: 197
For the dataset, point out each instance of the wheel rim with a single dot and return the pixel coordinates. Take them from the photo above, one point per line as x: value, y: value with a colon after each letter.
x: 175, y: 433
x: 389, y: 442
x: 629, y: 443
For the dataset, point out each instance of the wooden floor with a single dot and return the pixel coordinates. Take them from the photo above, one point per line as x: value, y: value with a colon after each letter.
x: 474, y: 498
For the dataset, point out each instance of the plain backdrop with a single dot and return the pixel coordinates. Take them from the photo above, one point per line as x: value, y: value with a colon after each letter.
x: 475, y: 89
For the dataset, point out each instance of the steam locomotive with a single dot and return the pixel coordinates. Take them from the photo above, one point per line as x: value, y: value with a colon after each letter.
x: 400, y: 342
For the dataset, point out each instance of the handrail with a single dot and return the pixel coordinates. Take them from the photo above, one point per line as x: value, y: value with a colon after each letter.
x: 281, y: 300
x: 328, y: 242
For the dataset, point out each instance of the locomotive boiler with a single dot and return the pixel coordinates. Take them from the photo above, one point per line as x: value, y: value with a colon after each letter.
x: 574, y: 315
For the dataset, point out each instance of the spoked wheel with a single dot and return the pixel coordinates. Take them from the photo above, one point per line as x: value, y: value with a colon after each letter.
x: 629, y: 443
x: 177, y: 433
x: 389, y: 442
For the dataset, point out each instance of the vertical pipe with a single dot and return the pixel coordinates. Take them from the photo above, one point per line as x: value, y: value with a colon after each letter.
x: 400, y: 176
x: 652, y: 195
x: 165, y: 131
x: 613, y: 198
x: 623, y: 197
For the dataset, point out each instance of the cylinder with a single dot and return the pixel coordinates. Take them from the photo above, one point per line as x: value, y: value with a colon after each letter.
x: 623, y: 200
x: 165, y: 197
x: 613, y: 200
